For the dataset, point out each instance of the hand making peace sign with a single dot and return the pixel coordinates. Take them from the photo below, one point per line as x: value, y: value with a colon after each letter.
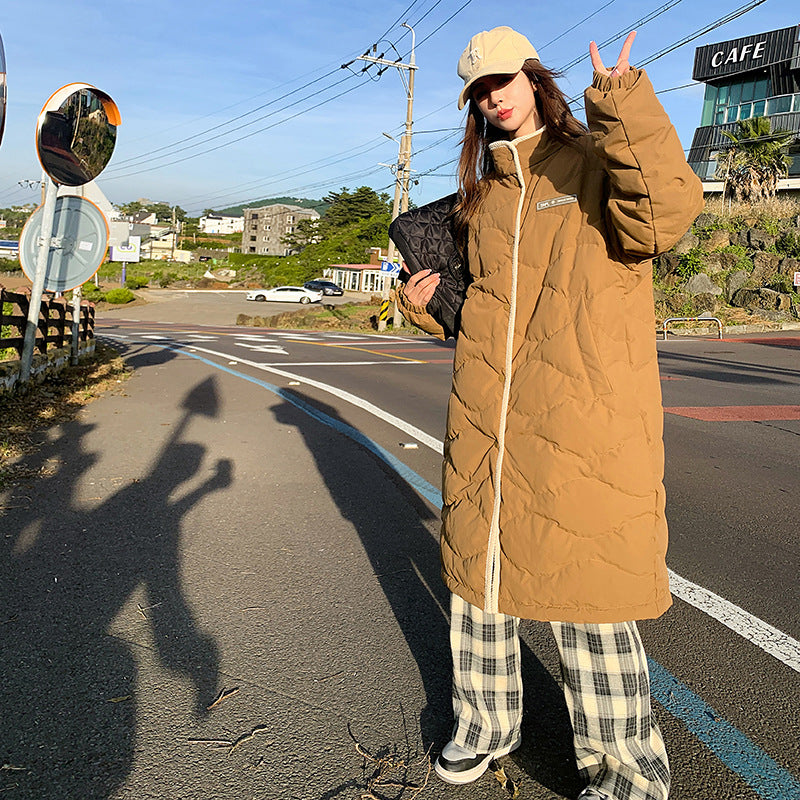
x: 622, y: 65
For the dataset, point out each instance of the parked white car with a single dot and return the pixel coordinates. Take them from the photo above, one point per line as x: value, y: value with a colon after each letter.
x: 286, y: 294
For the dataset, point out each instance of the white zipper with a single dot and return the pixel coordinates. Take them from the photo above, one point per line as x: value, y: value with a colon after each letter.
x: 492, y: 577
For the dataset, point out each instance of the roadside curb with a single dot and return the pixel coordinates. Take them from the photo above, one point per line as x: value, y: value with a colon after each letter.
x: 729, y: 330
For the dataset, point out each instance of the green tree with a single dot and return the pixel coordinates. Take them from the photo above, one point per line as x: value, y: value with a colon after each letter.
x: 306, y: 232
x: 347, y: 207
x: 354, y: 222
x: 755, y: 161
x: 163, y: 211
x: 134, y: 207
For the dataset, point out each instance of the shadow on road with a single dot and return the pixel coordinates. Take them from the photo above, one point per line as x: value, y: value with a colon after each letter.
x: 405, y: 560
x: 725, y: 371
x: 68, y: 690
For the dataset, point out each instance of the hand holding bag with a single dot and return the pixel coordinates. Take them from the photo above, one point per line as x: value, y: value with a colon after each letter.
x: 426, y: 239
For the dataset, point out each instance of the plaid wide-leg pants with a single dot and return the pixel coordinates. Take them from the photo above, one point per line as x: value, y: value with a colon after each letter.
x: 618, y: 745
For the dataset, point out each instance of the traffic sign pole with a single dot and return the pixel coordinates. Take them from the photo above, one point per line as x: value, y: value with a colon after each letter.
x: 76, y: 324
x: 48, y: 214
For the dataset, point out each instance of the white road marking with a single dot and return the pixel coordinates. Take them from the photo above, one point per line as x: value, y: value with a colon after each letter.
x: 398, y: 423
x: 760, y: 633
x: 301, y: 336
x: 263, y: 348
x: 198, y: 338
x: 336, y: 363
x: 251, y: 338
x: 156, y: 336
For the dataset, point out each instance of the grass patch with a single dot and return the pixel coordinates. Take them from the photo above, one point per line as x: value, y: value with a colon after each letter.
x: 58, y: 399
x: 769, y: 215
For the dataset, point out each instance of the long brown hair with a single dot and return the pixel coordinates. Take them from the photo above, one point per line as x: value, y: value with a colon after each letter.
x: 475, y: 165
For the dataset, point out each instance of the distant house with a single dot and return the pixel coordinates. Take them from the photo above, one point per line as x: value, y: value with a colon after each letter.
x: 266, y: 227
x: 221, y: 224
x: 366, y: 278
x: 9, y: 249
x: 144, y: 217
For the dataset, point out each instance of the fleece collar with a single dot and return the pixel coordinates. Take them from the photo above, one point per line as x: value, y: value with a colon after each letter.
x: 530, y: 149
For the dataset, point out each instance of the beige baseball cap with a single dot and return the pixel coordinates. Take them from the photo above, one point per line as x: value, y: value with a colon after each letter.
x: 500, y: 51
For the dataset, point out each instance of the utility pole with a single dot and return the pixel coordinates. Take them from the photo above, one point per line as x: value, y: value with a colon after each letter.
x: 403, y: 171
x: 174, y: 234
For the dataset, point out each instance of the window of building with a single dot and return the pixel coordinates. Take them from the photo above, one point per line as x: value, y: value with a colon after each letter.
x: 735, y: 100
x: 254, y: 216
x: 251, y: 249
x: 252, y: 238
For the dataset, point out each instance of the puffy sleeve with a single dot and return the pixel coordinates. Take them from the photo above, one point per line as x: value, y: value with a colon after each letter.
x: 653, y: 195
x: 418, y: 315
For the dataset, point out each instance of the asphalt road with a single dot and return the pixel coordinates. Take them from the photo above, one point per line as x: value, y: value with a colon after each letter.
x: 257, y: 510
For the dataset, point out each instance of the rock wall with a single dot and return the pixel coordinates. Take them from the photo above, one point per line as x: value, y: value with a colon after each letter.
x: 735, y: 261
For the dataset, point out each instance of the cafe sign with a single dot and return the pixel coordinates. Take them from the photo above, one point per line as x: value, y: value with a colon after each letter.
x: 748, y: 53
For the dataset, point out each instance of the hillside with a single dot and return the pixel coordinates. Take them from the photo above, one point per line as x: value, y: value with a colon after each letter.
x: 318, y: 205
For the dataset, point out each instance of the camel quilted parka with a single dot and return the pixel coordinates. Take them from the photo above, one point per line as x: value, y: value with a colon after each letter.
x: 553, y: 471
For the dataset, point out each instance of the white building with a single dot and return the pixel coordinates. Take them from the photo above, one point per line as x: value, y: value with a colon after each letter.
x: 221, y: 224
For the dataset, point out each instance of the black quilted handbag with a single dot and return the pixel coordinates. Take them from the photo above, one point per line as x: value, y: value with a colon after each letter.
x: 426, y: 240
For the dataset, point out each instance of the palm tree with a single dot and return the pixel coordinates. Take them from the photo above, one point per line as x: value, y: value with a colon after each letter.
x: 755, y: 161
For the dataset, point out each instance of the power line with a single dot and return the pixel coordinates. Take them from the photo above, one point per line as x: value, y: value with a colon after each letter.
x: 222, y: 125
x: 200, y: 134
x: 221, y: 135
x: 624, y: 32
x: 291, y: 172
x: 577, y: 24
x: 334, y: 158
x: 439, y: 27
x: 713, y: 26
x: 402, y: 16
x: 718, y: 23
x: 239, y: 139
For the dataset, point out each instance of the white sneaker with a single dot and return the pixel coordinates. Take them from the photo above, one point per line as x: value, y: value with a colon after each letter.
x: 457, y: 765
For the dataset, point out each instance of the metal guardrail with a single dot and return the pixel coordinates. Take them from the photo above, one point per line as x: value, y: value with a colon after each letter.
x: 692, y: 319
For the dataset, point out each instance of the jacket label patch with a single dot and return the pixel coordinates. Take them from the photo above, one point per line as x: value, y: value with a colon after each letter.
x: 556, y: 201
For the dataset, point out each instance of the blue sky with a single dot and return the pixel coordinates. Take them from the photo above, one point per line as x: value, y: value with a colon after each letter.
x: 197, y: 69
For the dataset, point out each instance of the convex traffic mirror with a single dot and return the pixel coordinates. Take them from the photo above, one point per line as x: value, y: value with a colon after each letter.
x: 76, y: 133
x: 2, y: 89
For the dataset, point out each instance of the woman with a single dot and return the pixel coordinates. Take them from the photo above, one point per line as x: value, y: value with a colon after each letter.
x: 553, y: 494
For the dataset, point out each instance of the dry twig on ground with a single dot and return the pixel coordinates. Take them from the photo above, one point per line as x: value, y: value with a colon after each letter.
x: 392, y: 772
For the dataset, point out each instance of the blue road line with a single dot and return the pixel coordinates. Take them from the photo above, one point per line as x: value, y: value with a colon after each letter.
x: 728, y: 743
x: 764, y: 775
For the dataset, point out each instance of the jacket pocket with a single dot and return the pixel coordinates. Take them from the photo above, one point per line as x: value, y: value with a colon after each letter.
x: 596, y: 372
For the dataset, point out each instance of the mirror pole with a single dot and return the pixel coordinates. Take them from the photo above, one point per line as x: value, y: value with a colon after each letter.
x: 48, y: 215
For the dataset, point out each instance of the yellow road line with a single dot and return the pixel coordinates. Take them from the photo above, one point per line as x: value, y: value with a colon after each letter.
x: 360, y: 349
